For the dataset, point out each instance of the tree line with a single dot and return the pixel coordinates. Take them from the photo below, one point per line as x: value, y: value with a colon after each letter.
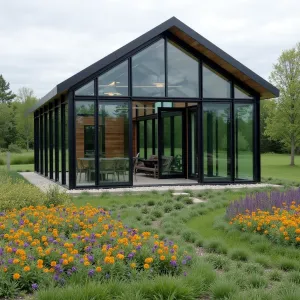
x: 16, y: 126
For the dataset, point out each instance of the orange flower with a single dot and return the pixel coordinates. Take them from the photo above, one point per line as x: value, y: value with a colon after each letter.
x: 16, y: 276
x: 146, y: 266
x: 26, y: 269
x: 162, y: 257
x: 98, y: 269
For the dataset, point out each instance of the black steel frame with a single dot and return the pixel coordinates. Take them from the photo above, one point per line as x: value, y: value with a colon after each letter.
x: 69, y: 99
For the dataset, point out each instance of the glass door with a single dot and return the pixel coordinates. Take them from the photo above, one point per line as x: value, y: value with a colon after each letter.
x: 171, y: 143
x: 193, y: 161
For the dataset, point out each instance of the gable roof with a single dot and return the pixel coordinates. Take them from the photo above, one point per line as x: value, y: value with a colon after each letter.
x: 189, y: 36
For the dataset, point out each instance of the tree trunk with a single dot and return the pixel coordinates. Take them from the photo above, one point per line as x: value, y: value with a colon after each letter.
x: 27, y: 144
x: 292, y: 153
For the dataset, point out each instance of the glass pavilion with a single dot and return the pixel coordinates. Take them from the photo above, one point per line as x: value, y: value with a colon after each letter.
x: 170, y: 96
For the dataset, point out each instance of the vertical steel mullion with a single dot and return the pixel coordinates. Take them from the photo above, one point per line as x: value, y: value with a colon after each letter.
x: 51, y: 143
x: 129, y: 103
x: 232, y: 141
x: 41, y: 145
x: 256, y: 140
x: 72, y: 140
x: 37, y: 144
x: 172, y: 141
x: 63, y: 143
x: 96, y: 117
x: 200, y: 142
x: 145, y: 134
x: 56, y: 111
x: 153, y: 137
x: 46, y: 143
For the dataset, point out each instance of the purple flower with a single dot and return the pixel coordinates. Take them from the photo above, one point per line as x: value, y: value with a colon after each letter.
x: 185, y: 273
x: 184, y: 262
x: 1, y: 251
x: 74, y: 269
x: 91, y: 272
x: 34, y: 286
x: 91, y: 258
x: 173, y: 263
x: 10, y: 261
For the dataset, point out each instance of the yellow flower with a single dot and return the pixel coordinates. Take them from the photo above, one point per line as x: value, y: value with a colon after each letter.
x: 148, y: 260
x: 65, y: 262
x: 26, y: 269
x: 98, y: 269
x: 53, y: 263
x: 162, y: 257
x: 133, y: 265
x: 16, y: 276
x: 146, y: 266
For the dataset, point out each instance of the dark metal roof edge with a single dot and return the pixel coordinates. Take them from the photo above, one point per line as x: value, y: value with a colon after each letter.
x: 172, y: 22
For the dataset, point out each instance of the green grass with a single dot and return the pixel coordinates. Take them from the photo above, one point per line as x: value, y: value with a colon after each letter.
x: 19, y: 168
x: 277, y: 166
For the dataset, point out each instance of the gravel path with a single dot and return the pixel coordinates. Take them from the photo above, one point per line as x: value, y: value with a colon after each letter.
x: 44, y: 184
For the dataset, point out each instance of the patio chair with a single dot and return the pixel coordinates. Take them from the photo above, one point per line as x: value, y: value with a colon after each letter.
x: 81, y: 168
x: 166, y: 164
x: 107, y: 167
x: 147, y: 169
x: 121, y: 167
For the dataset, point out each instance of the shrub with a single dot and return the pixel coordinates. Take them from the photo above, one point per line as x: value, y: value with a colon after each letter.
x: 151, y: 203
x: 253, y: 268
x: 263, y: 260
x: 145, y: 210
x: 22, y: 159
x: 286, y: 264
x: 18, y: 194
x: 223, y: 289
x: 188, y: 200
x: 257, y: 281
x: 215, y: 246
x: 218, y: 261
x: 2, y: 162
x: 239, y: 254
x: 55, y: 196
x: 14, y: 148
x: 275, y: 275
x: 294, y: 276
x: 189, y: 236
x: 157, y: 213
x: 178, y: 205
x: 168, y: 208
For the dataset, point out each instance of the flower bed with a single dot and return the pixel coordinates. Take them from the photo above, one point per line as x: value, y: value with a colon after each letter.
x: 281, y: 225
x: 40, y: 245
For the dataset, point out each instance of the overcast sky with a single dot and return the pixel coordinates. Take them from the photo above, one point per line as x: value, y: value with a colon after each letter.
x: 44, y: 42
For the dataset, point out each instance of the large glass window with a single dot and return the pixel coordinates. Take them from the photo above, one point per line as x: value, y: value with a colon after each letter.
x: 115, y: 81
x: 243, y: 118
x: 60, y: 144
x: 114, y: 162
x: 86, y: 90
x: 85, y: 158
x: 141, y: 139
x: 216, y: 141
x: 67, y: 144
x: 241, y: 94
x: 183, y: 73
x: 148, y: 71
x: 214, y: 84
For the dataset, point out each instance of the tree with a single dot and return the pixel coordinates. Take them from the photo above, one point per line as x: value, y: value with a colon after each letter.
x: 6, y: 96
x: 8, y: 131
x: 24, y: 120
x: 283, y: 123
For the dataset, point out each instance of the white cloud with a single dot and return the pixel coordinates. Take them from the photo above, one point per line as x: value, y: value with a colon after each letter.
x: 44, y: 42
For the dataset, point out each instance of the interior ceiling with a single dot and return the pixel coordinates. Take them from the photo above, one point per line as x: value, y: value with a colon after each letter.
x: 264, y: 94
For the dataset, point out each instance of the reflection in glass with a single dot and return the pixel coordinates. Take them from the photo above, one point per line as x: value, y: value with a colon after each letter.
x: 216, y: 141
x: 115, y: 81
x: 214, y: 84
x: 241, y: 94
x: 148, y: 71
x: 194, y: 144
x: 183, y: 73
x: 85, y: 153
x: 141, y: 139
x: 67, y: 144
x: 243, y: 114
x: 86, y: 90
x: 114, y: 161
x: 149, y: 138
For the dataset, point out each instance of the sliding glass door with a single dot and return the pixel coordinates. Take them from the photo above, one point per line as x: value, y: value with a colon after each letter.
x: 171, y: 142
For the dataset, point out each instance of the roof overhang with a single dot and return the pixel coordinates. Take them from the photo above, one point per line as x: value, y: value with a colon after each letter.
x: 189, y: 36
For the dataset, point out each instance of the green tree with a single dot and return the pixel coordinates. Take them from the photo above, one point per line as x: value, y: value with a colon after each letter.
x: 24, y: 120
x: 6, y: 96
x: 283, y: 124
x: 8, y: 130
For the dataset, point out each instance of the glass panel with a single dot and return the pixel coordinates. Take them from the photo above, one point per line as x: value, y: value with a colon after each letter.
x: 41, y: 145
x: 194, y: 144
x: 171, y: 143
x: 149, y: 138
x: 114, y: 162
x: 54, y: 133
x: 216, y: 141
x: 85, y: 158
x: 115, y: 81
x: 243, y: 114
x: 241, y: 94
x: 183, y: 73
x: 148, y: 71
x: 214, y: 84
x: 141, y: 139
x: 86, y: 90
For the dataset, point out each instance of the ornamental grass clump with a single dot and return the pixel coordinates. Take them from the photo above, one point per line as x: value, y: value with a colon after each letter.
x: 44, y: 246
